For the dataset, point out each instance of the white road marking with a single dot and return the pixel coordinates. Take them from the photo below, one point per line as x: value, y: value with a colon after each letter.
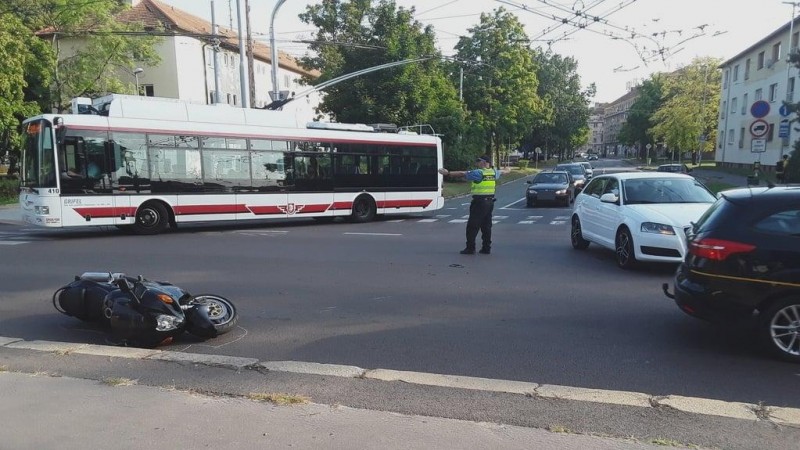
x: 374, y: 234
x: 526, y: 222
x: 513, y: 203
x: 396, y: 220
x: 14, y: 242
x: 558, y: 222
x: 427, y: 220
x: 442, y: 216
x: 457, y: 221
x: 535, y: 217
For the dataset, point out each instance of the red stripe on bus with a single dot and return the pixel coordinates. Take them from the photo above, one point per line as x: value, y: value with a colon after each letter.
x: 258, y: 210
x: 403, y: 204
x: 209, y: 209
x: 342, y: 205
x: 314, y: 208
x: 106, y: 211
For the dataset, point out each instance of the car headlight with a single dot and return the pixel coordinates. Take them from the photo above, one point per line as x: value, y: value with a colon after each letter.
x: 561, y: 192
x: 657, y: 228
x: 531, y: 191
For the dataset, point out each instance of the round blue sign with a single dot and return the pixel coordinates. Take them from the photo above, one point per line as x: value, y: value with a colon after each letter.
x: 784, y: 111
x: 759, y: 109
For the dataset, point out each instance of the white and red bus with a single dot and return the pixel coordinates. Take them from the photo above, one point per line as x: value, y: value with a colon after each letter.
x: 145, y: 164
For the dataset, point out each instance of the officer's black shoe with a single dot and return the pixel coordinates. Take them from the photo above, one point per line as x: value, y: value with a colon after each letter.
x: 485, y: 251
x: 468, y: 251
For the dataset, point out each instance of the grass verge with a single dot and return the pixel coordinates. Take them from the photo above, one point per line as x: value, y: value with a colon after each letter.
x: 278, y: 399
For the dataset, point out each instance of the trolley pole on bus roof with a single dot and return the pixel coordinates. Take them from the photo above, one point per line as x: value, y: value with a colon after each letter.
x: 275, y: 94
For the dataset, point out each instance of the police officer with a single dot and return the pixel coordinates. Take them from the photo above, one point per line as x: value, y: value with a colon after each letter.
x: 483, y: 180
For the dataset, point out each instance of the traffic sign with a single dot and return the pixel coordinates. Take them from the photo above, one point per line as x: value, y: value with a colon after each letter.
x: 759, y: 109
x: 758, y: 146
x: 784, y: 111
x: 759, y: 128
x: 783, y: 130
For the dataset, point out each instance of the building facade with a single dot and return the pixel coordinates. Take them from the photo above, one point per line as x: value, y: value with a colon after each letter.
x: 753, y: 126
x: 615, y: 114
x: 595, y: 144
x: 187, y: 68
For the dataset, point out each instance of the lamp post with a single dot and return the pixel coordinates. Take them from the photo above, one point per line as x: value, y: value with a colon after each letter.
x: 136, y: 73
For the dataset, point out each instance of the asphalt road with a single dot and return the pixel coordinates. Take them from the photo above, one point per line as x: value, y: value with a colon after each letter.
x: 396, y: 294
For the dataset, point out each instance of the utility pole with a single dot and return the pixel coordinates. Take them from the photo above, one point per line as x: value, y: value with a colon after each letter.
x: 216, y: 43
x: 250, y: 60
x: 243, y: 82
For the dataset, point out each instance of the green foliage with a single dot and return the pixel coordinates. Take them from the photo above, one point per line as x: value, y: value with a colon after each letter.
x: 21, y: 53
x: 565, y: 125
x: 500, y: 87
x: 355, y: 35
x: 637, y: 129
x: 9, y: 190
x: 93, y: 53
x: 523, y: 163
x: 689, y: 109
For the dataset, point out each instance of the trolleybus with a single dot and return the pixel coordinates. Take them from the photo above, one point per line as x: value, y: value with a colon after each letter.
x: 145, y: 164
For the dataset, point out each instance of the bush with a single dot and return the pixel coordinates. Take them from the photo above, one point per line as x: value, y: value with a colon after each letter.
x: 523, y: 163
x: 9, y: 189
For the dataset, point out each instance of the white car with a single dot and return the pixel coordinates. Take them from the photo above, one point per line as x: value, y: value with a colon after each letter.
x: 642, y: 216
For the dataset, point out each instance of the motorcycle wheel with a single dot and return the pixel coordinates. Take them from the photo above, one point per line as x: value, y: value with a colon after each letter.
x: 220, y: 310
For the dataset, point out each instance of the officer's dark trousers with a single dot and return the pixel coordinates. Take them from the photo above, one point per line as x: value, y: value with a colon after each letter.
x: 480, y: 218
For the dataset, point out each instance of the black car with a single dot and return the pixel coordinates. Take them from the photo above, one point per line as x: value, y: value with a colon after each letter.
x: 677, y: 168
x: 578, y: 173
x: 550, y: 187
x: 743, y: 262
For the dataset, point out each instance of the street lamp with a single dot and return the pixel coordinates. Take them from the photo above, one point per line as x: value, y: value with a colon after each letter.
x: 136, y: 73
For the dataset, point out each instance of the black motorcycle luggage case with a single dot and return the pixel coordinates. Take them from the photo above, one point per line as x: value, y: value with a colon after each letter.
x: 83, y: 299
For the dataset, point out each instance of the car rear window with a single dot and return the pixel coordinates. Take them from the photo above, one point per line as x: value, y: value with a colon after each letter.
x: 715, y: 215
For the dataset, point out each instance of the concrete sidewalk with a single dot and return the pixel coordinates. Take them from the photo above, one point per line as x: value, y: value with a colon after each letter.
x: 41, y: 411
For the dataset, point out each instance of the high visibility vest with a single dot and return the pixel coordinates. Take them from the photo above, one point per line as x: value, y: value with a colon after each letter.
x: 487, y: 185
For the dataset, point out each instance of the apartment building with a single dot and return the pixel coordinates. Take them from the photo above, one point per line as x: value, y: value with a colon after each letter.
x: 753, y: 126
x: 595, y: 144
x: 615, y: 114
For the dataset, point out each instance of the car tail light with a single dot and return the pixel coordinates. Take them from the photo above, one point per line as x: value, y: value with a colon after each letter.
x: 718, y: 249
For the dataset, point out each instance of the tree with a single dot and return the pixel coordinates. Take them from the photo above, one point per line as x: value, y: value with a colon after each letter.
x: 792, y: 169
x: 355, y: 35
x: 567, y: 106
x: 637, y: 129
x: 500, y: 87
x: 689, y: 110
x: 24, y: 58
x: 91, y: 49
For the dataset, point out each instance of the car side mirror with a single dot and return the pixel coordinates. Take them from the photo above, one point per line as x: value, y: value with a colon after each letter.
x: 609, y: 198
x: 529, y: 182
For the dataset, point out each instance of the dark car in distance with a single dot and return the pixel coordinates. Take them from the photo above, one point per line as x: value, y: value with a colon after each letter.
x: 578, y: 173
x: 676, y: 168
x: 556, y: 186
x: 743, y: 262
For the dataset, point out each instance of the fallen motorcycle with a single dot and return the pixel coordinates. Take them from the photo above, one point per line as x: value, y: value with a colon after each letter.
x: 144, y: 313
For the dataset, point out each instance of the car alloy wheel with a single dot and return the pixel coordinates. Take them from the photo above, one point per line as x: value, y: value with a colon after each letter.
x: 626, y: 259
x: 780, y: 329
x: 576, y: 235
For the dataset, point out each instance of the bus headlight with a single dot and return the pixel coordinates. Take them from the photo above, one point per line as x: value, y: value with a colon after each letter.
x: 42, y: 210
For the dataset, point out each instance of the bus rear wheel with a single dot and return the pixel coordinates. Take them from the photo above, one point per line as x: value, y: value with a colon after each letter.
x: 363, y: 209
x: 151, y: 218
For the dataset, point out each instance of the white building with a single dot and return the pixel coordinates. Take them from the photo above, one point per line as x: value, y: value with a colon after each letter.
x: 755, y: 83
x: 186, y: 71
x: 595, y: 144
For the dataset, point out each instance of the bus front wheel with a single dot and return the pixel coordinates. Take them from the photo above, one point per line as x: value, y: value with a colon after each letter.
x: 151, y: 218
x: 363, y: 209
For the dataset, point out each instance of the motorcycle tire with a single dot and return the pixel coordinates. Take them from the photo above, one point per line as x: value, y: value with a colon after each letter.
x: 221, y: 311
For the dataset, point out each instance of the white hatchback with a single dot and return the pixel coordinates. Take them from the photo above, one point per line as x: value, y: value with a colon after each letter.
x: 642, y: 216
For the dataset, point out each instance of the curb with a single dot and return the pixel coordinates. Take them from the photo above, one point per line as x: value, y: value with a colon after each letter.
x: 692, y: 405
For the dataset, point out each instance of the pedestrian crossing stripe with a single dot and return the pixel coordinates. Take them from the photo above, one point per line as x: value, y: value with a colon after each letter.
x: 427, y: 220
x: 14, y: 242
x: 558, y: 222
x: 526, y: 222
x: 458, y: 221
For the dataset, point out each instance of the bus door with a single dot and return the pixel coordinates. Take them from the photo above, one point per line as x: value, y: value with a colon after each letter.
x: 265, y: 198
x: 310, y: 186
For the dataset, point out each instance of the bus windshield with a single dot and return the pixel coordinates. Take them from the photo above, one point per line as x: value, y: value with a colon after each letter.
x: 38, y: 158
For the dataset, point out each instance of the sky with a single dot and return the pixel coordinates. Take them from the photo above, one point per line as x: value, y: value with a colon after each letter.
x: 613, y: 52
